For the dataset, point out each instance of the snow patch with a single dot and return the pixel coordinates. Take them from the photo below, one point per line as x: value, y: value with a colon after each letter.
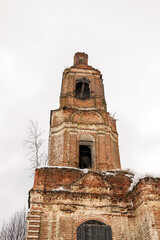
x: 85, y: 170
x: 106, y: 173
x: 59, y: 189
x: 131, y: 203
x: 138, y: 176
x: 117, y: 171
x: 129, y: 175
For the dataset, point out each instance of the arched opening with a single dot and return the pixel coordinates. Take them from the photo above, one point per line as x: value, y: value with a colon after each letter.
x: 82, y: 89
x: 86, y: 151
x: 94, y: 230
x: 85, y: 158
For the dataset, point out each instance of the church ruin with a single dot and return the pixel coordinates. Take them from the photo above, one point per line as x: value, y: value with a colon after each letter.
x: 84, y: 194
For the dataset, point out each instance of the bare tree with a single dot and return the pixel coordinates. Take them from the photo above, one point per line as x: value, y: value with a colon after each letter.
x: 34, y: 146
x: 15, y: 228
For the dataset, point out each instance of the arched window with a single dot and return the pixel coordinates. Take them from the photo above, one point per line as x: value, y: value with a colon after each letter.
x: 85, y: 157
x: 82, y: 89
x: 86, y: 151
x: 94, y: 230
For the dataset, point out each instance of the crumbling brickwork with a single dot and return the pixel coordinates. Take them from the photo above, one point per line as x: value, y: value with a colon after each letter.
x: 79, y: 116
x: 84, y: 187
x: 67, y: 128
x: 63, y: 198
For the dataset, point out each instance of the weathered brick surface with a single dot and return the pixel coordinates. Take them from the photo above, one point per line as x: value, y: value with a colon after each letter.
x: 81, y: 117
x: 65, y: 196
x: 67, y: 128
x: 70, y: 196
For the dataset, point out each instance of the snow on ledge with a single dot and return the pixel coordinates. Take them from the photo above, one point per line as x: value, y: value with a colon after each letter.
x: 61, y: 189
x: 114, y: 172
x: 85, y: 170
x: 138, y: 176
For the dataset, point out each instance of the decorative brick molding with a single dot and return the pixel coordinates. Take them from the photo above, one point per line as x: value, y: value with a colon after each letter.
x: 66, y: 194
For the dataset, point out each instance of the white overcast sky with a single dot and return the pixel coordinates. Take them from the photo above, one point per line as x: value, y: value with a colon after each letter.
x: 38, y: 39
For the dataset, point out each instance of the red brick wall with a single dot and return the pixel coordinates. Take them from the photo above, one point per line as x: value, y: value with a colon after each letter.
x: 68, y: 99
x: 64, y: 198
x: 77, y: 117
x: 56, y: 214
x: 68, y: 125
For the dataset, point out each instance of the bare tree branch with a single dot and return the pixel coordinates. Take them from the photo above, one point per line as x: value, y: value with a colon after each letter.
x: 15, y: 229
x: 34, y: 147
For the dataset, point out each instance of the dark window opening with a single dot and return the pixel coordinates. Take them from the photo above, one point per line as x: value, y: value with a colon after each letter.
x: 82, y: 90
x: 80, y: 60
x: 94, y: 230
x: 85, y: 160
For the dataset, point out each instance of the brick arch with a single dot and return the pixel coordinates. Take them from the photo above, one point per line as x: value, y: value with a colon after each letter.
x: 88, y: 134
x: 87, y: 218
x: 86, y: 137
x: 87, y: 117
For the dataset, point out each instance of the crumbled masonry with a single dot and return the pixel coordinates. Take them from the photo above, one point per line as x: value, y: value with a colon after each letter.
x: 83, y: 193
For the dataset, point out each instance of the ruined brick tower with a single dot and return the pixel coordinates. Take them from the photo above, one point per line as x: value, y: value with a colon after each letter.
x: 84, y: 194
x: 82, y: 123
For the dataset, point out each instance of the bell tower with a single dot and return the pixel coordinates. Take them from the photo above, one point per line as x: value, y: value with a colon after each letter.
x: 82, y: 86
x: 83, y: 194
x: 82, y: 132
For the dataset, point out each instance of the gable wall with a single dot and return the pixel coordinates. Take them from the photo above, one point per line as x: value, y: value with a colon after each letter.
x: 132, y: 215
